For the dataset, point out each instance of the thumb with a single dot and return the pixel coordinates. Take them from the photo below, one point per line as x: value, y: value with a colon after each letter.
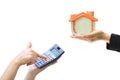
x: 29, y: 45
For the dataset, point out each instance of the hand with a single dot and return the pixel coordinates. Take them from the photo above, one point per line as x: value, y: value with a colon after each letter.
x: 33, y: 71
x: 93, y: 36
x: 28, y: 56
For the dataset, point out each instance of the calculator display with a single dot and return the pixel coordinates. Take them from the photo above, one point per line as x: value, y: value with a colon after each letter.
x: 55, y: 52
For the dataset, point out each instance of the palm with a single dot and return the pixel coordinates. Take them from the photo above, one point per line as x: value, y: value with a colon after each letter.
x: 93, y: 36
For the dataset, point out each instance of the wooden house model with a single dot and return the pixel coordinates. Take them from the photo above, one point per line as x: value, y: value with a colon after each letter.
x: 83, y: 23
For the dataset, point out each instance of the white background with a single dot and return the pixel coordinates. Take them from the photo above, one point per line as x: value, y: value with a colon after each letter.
x: 46, y: 22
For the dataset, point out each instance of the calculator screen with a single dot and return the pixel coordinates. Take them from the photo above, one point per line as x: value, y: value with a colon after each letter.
x: 52, y: 53
x: 55, y: 52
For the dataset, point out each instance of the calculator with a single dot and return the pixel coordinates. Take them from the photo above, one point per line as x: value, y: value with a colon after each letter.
x: 54, y: 53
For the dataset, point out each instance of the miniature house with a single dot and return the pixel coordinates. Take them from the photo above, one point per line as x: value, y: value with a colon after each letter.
x: 83, y: 23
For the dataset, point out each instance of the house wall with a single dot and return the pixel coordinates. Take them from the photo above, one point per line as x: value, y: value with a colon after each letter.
x: 72, y: 29
x: 93, y: 26
x: 83, y: 25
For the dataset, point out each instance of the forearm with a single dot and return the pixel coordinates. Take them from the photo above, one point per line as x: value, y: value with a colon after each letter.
x: 29, y: 77
x: 33, y: 72
x: 11, y: 70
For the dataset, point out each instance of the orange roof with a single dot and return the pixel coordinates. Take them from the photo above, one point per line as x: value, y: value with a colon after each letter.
x: 77, y: 16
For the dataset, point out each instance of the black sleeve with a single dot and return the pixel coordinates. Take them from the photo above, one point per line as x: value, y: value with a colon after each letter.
x: 114, y: 43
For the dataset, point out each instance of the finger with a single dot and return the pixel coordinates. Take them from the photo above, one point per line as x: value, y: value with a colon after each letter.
x: 77, y: 37
x: 74, y: 36
x: 29, y: 64
x: 54, y: 62
x: 33, y: 67
x: 29, y: 45
x: 86, y: 36
x: 45, y: 57
x: 33, y: 61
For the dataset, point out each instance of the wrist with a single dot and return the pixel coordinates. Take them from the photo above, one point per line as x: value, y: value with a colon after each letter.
x: 107, y: 37
x: 16, y: 62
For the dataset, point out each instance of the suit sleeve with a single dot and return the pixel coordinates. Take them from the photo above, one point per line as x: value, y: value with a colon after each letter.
x: 114, y: 43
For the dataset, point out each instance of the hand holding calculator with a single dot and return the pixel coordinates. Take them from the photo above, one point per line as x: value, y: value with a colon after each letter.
x: 54, y: 53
